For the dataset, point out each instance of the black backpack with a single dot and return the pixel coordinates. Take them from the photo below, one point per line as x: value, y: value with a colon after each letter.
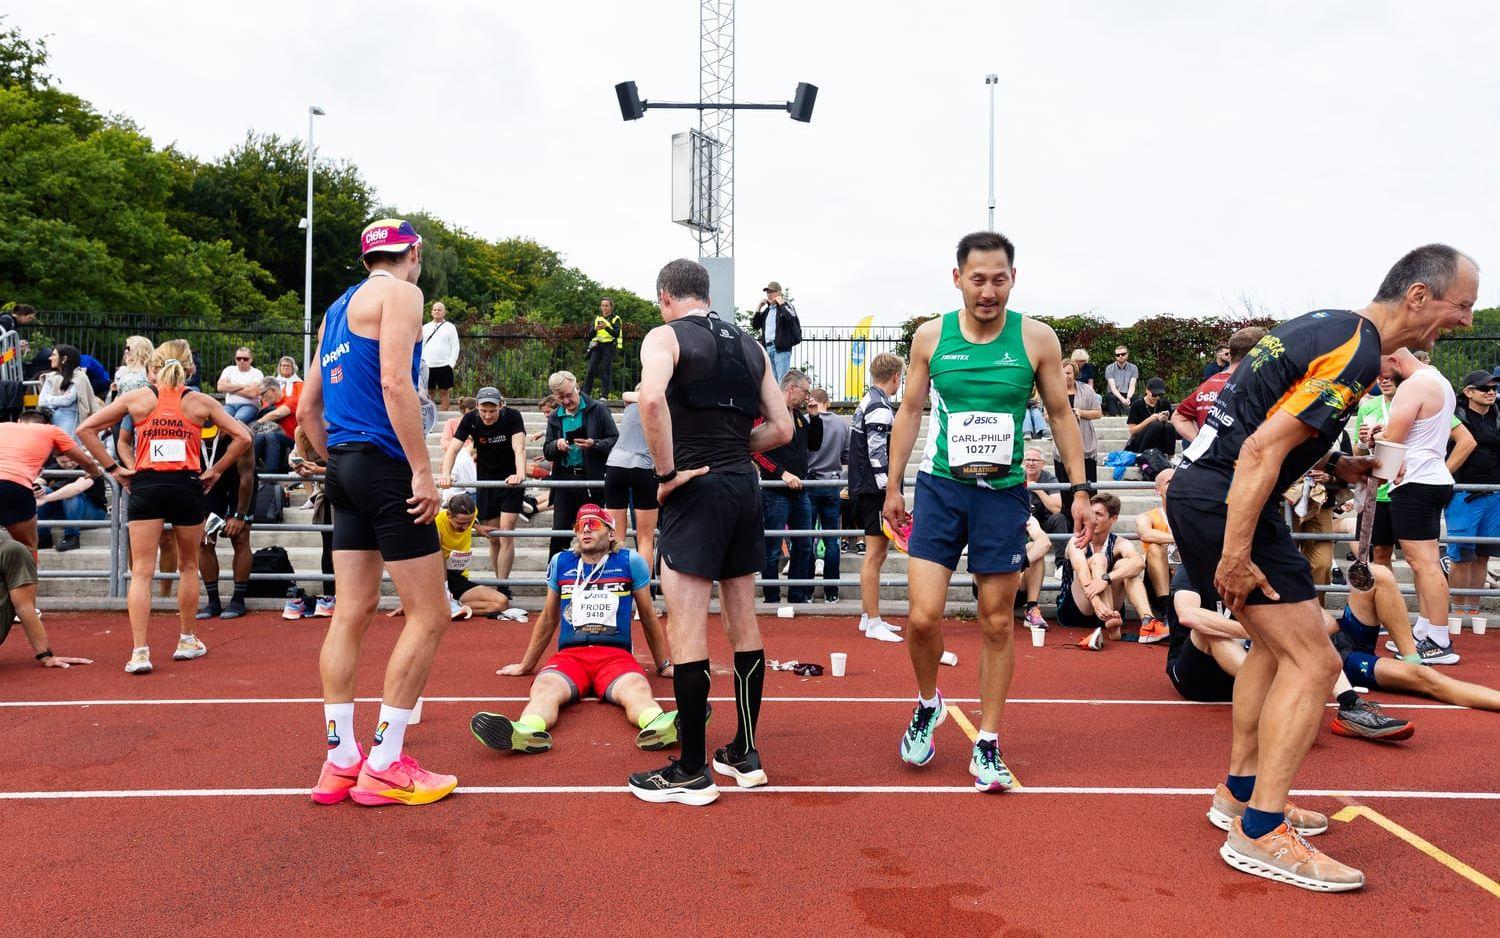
x: 1151, y: 463
x: 270, y: 503
x: 270, y: 560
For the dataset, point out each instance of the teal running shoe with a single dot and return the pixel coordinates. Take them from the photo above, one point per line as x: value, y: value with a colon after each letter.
x: 989, y: 770
x: 917, y: 747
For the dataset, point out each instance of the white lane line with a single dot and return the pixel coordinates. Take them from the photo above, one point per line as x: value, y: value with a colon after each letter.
x: 767, y: 790
x: 1065, y: 701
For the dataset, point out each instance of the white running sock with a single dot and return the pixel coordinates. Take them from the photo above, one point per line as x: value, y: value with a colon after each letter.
x: 1440, y: 636
x: 390, y: 733
x: 1421, y: 628
x: 984, y: 737
x: 864, y: 622
x: 934, y: 703
x: 343, y: 751
x: 184, y: 638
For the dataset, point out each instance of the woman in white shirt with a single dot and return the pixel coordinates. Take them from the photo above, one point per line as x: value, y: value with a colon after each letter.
x: 286, y: 373
x: 240, y: 385
x: 66, y: 390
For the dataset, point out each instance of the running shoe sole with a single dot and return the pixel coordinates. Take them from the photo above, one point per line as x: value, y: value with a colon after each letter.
x: 141, y: 669
x: 743, y: 779
x: 1222, y: 821
x: 942, y: 715
x: 1354, y: 731
x: 651, y: 740
x: 189, y: 654
x: 375, y: 799
x: 987, y: 787
x: 1256, y: 868
x: 697, y: 797
x: 502, y: 735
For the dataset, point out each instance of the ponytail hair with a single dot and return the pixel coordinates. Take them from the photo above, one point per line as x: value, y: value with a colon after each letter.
x: 169, y: 363
x: 138, y: 351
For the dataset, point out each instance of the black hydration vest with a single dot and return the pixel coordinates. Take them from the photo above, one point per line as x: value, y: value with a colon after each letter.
x: 714, y: 394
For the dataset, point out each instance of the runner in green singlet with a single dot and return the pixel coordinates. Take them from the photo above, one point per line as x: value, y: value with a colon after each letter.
x: 980, y: 364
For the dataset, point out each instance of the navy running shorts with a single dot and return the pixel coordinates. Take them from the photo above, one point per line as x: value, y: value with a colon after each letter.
x: 949, y: 516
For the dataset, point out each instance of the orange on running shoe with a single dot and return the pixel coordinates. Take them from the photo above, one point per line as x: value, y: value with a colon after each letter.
x: 1226, y: 807
x: 1284, y: 856
x: 1152, y: 630
x: 334, y: 782
x: 404, y: 782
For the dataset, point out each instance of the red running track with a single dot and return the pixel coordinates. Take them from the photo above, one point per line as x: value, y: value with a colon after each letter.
x: 806, y: 862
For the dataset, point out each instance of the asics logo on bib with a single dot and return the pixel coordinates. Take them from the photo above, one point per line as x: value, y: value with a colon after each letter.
x: 983, y: 419
x: 337, y: 353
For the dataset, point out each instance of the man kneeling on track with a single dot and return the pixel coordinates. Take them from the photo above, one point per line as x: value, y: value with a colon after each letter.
x: 592, y: 592
x: 18, y: 602
x: 456, y: 525
x: 1207, y: 648
x: 1098, y: 578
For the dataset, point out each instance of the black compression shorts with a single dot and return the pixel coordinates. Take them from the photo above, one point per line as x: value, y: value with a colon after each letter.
x: 712, y: 526
x: 1198, y: 524
x: 629, y: 488
x: 1197, y: 676
x: 174, y: 497
x: 17, y: 503
x: 1417, y: 510
x: 495, y: 502
x: 369, y: 490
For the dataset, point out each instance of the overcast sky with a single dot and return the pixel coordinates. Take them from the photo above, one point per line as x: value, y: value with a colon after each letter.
x: 1153, y: 156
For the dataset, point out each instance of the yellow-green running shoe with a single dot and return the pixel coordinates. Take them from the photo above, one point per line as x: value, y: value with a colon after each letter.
x: 502, y: 735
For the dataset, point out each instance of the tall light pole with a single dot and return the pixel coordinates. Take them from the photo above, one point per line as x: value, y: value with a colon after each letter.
x: 992, y: 80
x: 313, y: 111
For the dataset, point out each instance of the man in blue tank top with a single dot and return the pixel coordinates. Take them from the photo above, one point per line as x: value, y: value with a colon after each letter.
x: 360, y: 406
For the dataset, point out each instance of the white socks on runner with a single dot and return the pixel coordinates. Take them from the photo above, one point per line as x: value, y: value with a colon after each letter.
x: 343, y: 751
x: 984, y: 737
x: 1439, y: 636
x: 1420, y: 628
x: 878, y: 629
x: 932, y: 704
x: 390, y: 733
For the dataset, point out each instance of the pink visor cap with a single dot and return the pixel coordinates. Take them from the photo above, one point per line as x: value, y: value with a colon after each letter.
x: 388, y: 235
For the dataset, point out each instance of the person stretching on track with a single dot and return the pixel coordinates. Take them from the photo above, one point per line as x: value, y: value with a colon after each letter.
x: 980, y: 364
x: 456, y: 525
x: 592, y: 593
x: 1277, y: 418
x: 1207, y: 649
x: 359, y: 406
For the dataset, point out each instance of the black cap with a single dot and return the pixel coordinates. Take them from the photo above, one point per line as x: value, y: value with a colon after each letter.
x: 1156, y: 386
x: 1480, y: 379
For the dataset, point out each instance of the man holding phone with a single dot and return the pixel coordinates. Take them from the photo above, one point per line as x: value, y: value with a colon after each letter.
x: 580, y: 434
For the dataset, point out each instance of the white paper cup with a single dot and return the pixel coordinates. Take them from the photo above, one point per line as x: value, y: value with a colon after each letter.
x: 416, y: 714
x: 838, y: 662
x: 1388, y: 459
x: 1038, y: 638
x: 950, y: 659
x: 1478, y: 623
x: 1455, y: 625
x: 785, y: 612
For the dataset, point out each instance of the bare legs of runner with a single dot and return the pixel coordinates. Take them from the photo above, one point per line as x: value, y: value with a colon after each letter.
x: 420, y: 586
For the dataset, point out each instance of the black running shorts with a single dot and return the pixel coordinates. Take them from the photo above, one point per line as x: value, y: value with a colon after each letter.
x: 369, y: 490
x: 1198, y: 524
x: 1197, y: 676
x: 1417, y: 510
x: 495, y: 502
x: 17, y: 503
x: 440, y: 378
x: 867, y: 507
x: 629, y: 488
x: 1070, y: 616
x: 174, y: 497
x: 712, y: 526
x: 1382, y: 534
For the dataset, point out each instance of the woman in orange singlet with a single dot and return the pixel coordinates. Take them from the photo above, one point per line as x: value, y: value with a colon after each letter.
x: 166, y: 486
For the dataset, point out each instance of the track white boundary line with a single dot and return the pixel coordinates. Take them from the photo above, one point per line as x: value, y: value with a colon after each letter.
x: 767, y: 790
x: 226, y: 701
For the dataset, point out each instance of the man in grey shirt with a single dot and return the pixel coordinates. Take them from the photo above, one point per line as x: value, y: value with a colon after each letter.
x: 828, y: 462
x: 1120, y: 377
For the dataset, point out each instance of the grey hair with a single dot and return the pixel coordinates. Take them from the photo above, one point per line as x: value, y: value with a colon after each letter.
x: 267, y: 385
x: 560, y: 378
x: 683, y: 279
x: 1436, y: 265
x: 794, y: 376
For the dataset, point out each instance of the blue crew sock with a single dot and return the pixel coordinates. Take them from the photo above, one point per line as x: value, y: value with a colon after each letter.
x: 1240, y: 786
x: 1257, y: 823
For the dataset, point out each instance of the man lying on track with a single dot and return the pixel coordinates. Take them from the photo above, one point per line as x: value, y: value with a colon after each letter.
x: 1099, y: 577
x: 1207, y: 649
x: 593, y: 592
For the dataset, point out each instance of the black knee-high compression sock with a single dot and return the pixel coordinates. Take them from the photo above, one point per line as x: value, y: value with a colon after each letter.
x: 749, y: 681
x: 690, y: 684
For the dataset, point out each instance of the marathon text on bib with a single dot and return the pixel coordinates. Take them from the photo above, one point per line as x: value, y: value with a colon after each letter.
x: 980, y: 444
x: 593, y: 611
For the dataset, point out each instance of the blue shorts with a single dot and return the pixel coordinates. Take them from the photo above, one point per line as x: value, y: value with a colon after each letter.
x: 1359, y: 666
x: 950, y: 515
x: 1472, y: 514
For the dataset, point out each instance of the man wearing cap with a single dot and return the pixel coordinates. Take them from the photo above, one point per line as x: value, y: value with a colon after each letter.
x: 360, y: 407
x: 440, y: 352
x: 780, y: 330
x: 1149, y: 421
x: 593, y: 591
x: 499, y: 436
x: 1475, y: 514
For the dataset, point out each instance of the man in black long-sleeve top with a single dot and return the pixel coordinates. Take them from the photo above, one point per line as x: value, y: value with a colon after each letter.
x: 790, y: 508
